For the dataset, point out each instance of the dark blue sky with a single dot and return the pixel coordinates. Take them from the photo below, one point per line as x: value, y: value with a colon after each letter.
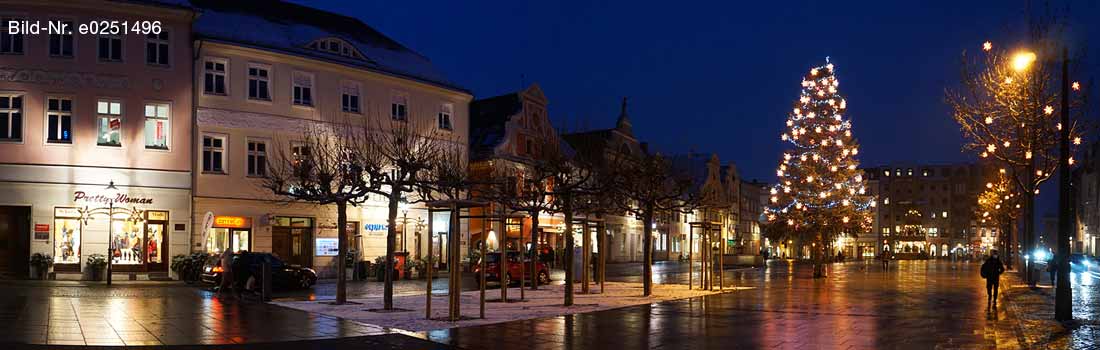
x: 717, y: 76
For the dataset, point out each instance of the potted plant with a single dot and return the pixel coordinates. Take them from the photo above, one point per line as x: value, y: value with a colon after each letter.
x: 40, y: 265
x: 415, y: 268
x: 380, y: 268
x: 96, y: 263
x: 179, y: 263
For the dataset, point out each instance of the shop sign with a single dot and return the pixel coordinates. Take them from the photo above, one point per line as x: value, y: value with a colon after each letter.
x: 327, y: 247
x: 41, y: 232
x: 120, y: 198
x: 374, y: 229
x: 232, y: 222
x: 156, y: 215
x: 66, y: 212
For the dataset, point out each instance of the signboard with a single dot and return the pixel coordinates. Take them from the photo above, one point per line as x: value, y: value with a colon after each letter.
x: 117, y: 198
x: 327, y: 247
x: 232, y: 222
x: 156, y: 215
x: 374, y: 229
x: 41, y: 232
x: 66, y: 213
x: 115, y: 123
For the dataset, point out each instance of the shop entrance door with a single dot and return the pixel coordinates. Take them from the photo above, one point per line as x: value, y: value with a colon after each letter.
x: 14, y: 241
x: 439, y: 248
x: 292, y: 244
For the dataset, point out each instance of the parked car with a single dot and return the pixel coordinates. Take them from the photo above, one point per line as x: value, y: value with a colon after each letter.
x: 1080, y: 263
x: 283, y: 275
x: 492, y: 264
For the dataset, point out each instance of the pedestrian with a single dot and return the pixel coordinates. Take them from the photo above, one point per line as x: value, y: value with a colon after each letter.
x: 1052, y: 269
x: 885, y: 257
x: 991, y: 271
x: 226, y: 263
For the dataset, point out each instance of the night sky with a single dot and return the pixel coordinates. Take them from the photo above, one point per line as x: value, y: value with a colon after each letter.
x: 721, y: 76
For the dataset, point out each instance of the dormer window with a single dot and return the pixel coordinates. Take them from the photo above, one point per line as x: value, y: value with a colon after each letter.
x: 336, y: 47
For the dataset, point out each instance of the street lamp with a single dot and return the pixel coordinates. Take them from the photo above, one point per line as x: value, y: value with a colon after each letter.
x: 404, y: 223
x: 1021, y: 61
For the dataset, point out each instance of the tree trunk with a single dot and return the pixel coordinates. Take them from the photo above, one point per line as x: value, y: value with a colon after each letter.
x: 391, y: 245
x: 1029, y: 235
x: 817, y: 253
x: 342, y: 252
x: 568, y: 211
x: 535, y: 246
x: 647, y: 248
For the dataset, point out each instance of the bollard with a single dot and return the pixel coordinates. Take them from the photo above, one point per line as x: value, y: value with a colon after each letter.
x: 266, y: 281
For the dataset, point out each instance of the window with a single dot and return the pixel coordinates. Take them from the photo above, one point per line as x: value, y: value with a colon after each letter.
x: 214, y: 78
x: 259, y: 82
x: 399, y: 107
x: 109, y: 123
x: 349, y: 97
x: 886, y: 172
x: 886, y: 201
x: 898, y: 172
x: 213, y: 151
x: 303, y: 89
x: 11, y: 118
x: 66, y: 236
x: 156, y: 48
x: 885, y: 230
x: 11, y: 44
x: 156, y: 125
x: 59, y: 120
x: 299, y: 151
x: 61, y: 44
x: 110, y: 47
x: 445, y: 112
x: 529, y: 147
x: 944, y: 214
x: 257, y: 158
x: 909, y: 172
x: 926, y: 173
x: 335, y: 46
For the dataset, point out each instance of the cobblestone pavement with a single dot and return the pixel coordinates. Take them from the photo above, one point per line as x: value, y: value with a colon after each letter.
x: 1033, y: 310
x: 916, y: 305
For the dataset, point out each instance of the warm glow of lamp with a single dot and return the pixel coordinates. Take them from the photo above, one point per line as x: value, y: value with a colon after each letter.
x: 1022, y: 60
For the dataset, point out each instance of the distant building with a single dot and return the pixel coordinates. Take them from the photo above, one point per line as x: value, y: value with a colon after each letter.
x: 927, y: 211
x: 1086, y: 190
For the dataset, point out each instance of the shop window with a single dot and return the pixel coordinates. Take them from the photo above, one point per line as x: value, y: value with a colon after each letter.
x: 10, y: 43
x: 303, y: 89
x: 157, y: 124
x: 110, y: 47
x: 300, y: 152
x: 213, y: 151
x: 399, y: 105
x: 156, y: 48
x: 61, y: 44
x: 214, y: 76
x: 349, y: 97
x: 221, y: 239
x: 445, y: 112
x: 59, y: 120
x: 259, y: 82
x: 257, y: 158
x: 66, y: 236
x: 128, y: 242
x: 109, y: 123
x: 11, y: 118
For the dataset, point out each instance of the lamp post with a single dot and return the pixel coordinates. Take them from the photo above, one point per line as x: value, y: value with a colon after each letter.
x: 1021, y: 62
x: 404, y: 223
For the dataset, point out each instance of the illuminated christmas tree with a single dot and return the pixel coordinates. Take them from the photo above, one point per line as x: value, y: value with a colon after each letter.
x: 820, y: 192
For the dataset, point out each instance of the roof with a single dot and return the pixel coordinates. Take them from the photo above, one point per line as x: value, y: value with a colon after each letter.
x: 694, y: 165
x: 289, y: 28
x: 488, y: 120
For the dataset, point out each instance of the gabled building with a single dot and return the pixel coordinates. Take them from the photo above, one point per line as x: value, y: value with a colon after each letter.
x: 508, y: 134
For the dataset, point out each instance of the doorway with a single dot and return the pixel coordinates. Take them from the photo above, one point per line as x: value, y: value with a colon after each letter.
x: 291, y: 240
x: 14, y: 241
x: 439, y: 249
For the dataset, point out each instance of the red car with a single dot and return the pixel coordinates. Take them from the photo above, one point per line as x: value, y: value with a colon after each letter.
x: 514, y: 269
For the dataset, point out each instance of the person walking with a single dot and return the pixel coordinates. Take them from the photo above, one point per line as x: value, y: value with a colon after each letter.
x: 885, y: 257
x: 1052, y: 269
x: 991, y: 271
x: 226, y: 261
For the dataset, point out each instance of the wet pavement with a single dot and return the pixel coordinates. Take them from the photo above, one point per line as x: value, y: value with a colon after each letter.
x: 915, y: 305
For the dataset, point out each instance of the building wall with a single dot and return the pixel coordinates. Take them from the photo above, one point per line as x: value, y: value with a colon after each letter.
x: 44, y: 176
x: 279, y: 123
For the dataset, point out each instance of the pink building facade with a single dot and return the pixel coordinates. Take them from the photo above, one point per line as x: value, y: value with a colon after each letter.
x: 79, y: 112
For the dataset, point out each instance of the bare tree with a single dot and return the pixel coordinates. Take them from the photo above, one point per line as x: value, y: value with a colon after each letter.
x: 999, y: 206
x: 447, y: 179
x: 1005, y: 107
x: 329, y: 162
x: 409, y: 150
x: 645, y: 185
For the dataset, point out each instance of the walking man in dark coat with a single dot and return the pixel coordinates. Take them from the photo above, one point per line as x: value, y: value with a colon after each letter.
x: 991, y: 271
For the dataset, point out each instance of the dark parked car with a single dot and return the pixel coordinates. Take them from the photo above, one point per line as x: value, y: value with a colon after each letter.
x: 1080, y: 263
x: 283, y: 275
x: 514, y: 269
